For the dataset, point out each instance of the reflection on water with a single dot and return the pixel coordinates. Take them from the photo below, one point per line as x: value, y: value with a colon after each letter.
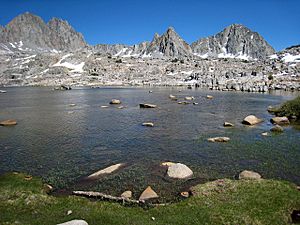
x: 63, y: 143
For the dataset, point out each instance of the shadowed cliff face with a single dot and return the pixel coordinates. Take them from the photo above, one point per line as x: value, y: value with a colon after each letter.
x: 34, y: 33
x: 236, y: 40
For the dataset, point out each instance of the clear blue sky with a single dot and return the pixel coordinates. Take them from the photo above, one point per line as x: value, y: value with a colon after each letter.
x: 134, y: 21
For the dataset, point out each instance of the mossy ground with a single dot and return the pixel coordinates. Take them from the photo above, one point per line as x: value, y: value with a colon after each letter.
x: 24, y: 201
x: 290, y: 108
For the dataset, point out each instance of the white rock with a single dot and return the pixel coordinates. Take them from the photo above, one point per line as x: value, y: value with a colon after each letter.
x: 74, y: 222
x: 179, y: 171
x: 249, y: 175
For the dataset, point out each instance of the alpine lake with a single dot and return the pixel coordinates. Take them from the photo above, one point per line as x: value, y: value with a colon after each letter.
x: 64, y: 136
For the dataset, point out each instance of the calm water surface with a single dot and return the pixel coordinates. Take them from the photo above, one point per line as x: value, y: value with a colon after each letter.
x: 62, y: 144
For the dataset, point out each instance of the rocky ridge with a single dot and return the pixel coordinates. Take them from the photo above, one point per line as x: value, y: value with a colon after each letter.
x: 166, y: 60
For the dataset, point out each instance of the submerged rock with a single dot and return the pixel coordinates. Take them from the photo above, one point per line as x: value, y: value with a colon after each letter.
x: 227, y: 124
x: 219, y: 139
x: 280, y: 120
x: 179, y: 171
x: 276, y: 129
x: 107, y: 170
x: 126, y: 194
x: 144, y: 105
x: 115, y: 102
x: 75, y: 222
x: 249, y: 175
x: 8, y: 123
x: 147, y: 194
x: 272, y: 109
x: 251, y: 120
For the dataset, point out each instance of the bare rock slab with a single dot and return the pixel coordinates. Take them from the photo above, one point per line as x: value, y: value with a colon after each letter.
x: 251, y: 120
x: 107, y: 170
x: 147, y: 194
x: 249, y: 175
x: 179, y: 171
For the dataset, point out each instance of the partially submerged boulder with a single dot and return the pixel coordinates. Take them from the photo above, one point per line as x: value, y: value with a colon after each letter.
x: 219, y: 139
x: 145, y: 105
x: 8, y: 123
x: 251, y: 120
x: 179, y: 171
x: 115, y: 102
x: 280, y: 120
x: 189, y: 98
x: 147, y: 194
x: 107, y: 170
x: 249, y: 175
x: 276, y: 129
x: 148, y: 124
x: 227, y: 124
x: 173, y: 97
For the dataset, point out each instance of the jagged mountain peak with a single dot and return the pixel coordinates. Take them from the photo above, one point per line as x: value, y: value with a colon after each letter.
x: 169, y: 44
x: 35, y: 34
x: 235, y: 40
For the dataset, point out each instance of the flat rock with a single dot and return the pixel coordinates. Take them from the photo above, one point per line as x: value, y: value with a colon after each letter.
x: 8, y: 123
x: 179, y: 171
x: 227, y: 124
x: 107, y: 170
x: 144, y: 105
x: 277, y: 129
x: 148, y: 124
x: 147, y: 194
x: 219, y: 139
x: 126, y: 194
x: 251, y: 120
x: 115, y: 101
x: 74, y: 222
x: 280, y: 120
x: 249, y: 175
x: 189, y: 98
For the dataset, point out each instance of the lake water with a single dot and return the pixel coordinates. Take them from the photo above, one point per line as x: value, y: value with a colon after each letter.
x: 62, y: 144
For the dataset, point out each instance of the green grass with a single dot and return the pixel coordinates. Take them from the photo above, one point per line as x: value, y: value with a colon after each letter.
x: 290, y: 108
x: 228, y: 202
